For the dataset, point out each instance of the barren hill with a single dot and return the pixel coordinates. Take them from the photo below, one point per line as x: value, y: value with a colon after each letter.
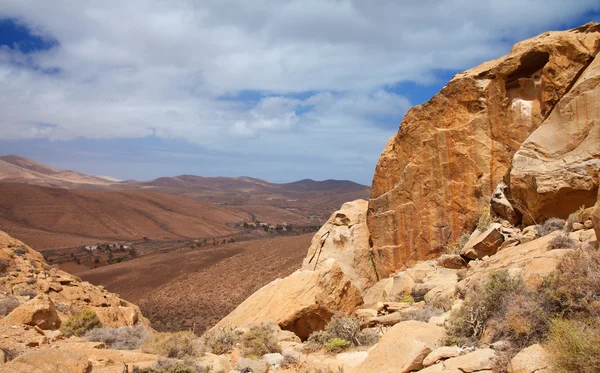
x: 54, y: 217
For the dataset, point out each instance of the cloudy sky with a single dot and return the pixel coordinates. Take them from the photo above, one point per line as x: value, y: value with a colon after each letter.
x: 281, y: 90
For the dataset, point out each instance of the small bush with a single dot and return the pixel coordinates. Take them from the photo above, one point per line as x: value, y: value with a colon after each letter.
x: 63, y: 308
x: 221, y: 340
x: 335, y: 345
x: 258, y: 341
x: 78, y: 325
x: 423, y: 314
x: 408, y: 299
x: 123, y: 338
x: 8, y: 304
x: 19, y: 251
x: 562, y: 241
x: 176, y: 345
x: 574, y: 346
x: 550, y: 225
x: 346, y: 328
x: 174, y: 366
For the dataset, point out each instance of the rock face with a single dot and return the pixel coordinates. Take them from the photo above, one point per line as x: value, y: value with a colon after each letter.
x: 302, y: 303
x: 345, y: 237
x: 403, y: 348
x: 557, y: 167
x: 56, y: 294
x: 435, y: 176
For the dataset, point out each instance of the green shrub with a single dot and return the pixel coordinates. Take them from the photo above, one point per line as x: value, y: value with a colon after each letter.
x: 550, y: 225
x: 345, y: 328
x: 174, y: 366
x: 123, y: 338
x: 259, y: 340
x: 408, y: 299
x: 574, y: 346
x: 176, y: 345
x: 79, y: 324
x: 221, y: 340
x: 335, y: 345
x: 562, y: 241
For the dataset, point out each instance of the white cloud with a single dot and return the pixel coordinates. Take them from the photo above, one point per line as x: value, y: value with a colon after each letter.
x: 138, y: 68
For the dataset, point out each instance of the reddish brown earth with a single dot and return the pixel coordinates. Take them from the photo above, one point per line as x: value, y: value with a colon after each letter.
x: 194, y: 288
x: 54, y: 217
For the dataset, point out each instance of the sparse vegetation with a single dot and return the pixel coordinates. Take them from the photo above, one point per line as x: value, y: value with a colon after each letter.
x: 123, y: 338
x: 343, y: 328
x: 79, y: 324
x: 8, y: 304
x: 550, y: 225
x: 19, y: 251
x: 562, y: 241
x: 573, y: 218
x: 456, y: 246
x: 178, y: 345
x: 423, y: 314
x: 486, y: 219
x: 408, y: 299
x: 335, y: 345
x: 174, y: 366
x: 259, y: 340
x: 574, y: 346
x: 221, y: 340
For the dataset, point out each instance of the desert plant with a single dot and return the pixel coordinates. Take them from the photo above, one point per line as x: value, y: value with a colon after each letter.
x: 79, y: 324
x: 176, y: 345
x: 259, y: 340
x: 407, y: 299
x: 423, y: 314
x: 174, y: 366
x: 8, y: 304
x: 335, y: 345
x: 486, y: 219
x: 123, y: 338
x: 221, y: 340
x: 19, y: 251
x: 562, y: 241
x: 574, y: 346
x: 456, y: 246
x: 573, y: 218
x: 346, y: 328
x: 550, y: 225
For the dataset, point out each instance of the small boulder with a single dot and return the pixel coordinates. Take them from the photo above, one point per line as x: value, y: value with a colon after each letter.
x: 588, y: 224
x: 39, y: 311
x: 274, y: 360
x: 440, y: 354
x: 452, y: 261
x: 578, y: 226
x: 529, y: 234
x: 51, y: 360
x: 485, y: 243
x: 256, y: 366
x: 533, y: 359
x: 472, y: 362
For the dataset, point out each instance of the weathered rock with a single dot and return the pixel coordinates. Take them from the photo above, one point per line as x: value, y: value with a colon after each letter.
x: 256, y: 366
x: 475, y: 361
x: 501, y: 206
x: 302, y: 303
x: 578, y: 226
x: 39, y: 311
x: 403, y: 348
x: 533, y: 359
x: 529, y: 234
x: 588, y: 224
x: 274, y: 360
x: 345, y: 237
x: 50, y: 360
x: 378, y: 292
x: 453, y: 261
x: 440, y: 354
x: 557, y: 167
x: 481, y: 243
x: 437, y: 174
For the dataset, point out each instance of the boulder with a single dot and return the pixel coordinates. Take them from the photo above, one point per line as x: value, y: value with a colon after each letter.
x: 475, y: 361
x: 482, y: 244
x: 50, y: 360
x: 440, y: 354
x: 529, y: 234
x: 438, y: 173
x: 533, y: 359
x: 255, y: 366
x: 39, y: 312
x: 303, y: 302
x: 557, y: 167
x: 403, y: 348
x: 453, y: 261
x: 501, y: 206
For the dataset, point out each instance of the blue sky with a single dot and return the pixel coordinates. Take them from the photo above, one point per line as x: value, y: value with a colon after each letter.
x: 280, y: 90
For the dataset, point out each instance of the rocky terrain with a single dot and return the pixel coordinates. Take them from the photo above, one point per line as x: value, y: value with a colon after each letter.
x: 477, y: 252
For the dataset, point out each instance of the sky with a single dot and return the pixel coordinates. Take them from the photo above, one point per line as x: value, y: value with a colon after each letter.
x: 281, y: 90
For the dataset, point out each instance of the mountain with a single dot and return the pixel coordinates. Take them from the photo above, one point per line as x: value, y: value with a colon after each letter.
x: 14, y: 168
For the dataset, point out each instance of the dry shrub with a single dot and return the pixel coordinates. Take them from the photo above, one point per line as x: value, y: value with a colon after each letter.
x: 178, y: 345
x: 258, y: 341
x: 221, y: 340
x: 486, y: 219
x: 423, y: 314
x: 344, y: 328
x: 123, y: 338
x: 562, y: 241
x: 550, y: 225
x: 8, y: 304
x: 174, y: 366
x: 574, y: 346
x: 79, y: 324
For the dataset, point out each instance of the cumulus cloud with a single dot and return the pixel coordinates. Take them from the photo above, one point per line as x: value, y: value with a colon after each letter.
x: 318, y: 72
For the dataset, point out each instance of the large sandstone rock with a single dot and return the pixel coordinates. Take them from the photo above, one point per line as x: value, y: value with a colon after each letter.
x: 482, y: 244
x: 302, y: 303
x: 437, y: 174
x: 533, y: 359
x: 403, y: 348
x: 557, y: 167
x: 39, y: 312
x: 345, y: 237
x: 50, y: 360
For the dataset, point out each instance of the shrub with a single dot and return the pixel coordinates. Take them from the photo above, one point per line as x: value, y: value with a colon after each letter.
x: 79, y: 324
x: 423, y: 314
x: 259, y: 340
x: 8, y: 304
x: 408, y: 299
x: 174, y: 366
x: 574, y: 346
x: 176, y: 345
x: 123, y: 338
x: 485, y: 220
x: 562, y: 241
x: 221, y: 340
x: 573, y: 218
x: 346, y: 328
x: 19, y: 251
x: 335, y: 345
x: 550, y: 225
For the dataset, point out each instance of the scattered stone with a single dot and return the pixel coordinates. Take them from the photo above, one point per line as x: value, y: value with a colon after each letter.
x: 452, y: 261
x: 578, y: 226
x: 475, y: 361
x: 440, y: 354
x: 588, y: 224
x: 274, y: 360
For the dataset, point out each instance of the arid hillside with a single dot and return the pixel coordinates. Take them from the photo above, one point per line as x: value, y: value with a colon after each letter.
x: 55, y: 217
x: 194, y: 288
